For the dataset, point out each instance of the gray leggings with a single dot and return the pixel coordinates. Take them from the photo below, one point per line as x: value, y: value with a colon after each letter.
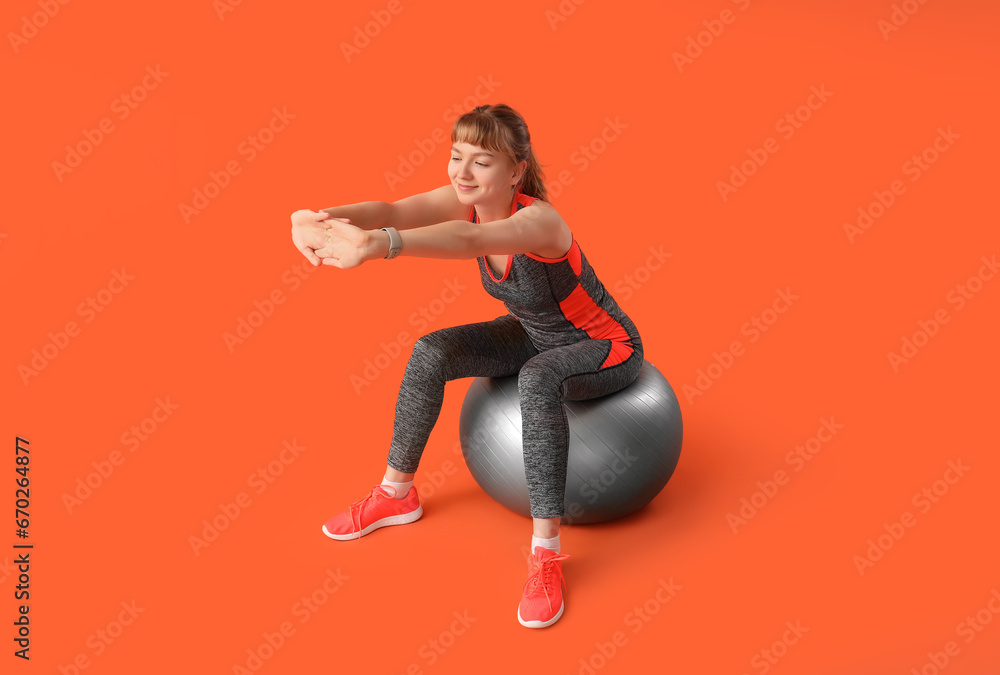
x: 500, y: 348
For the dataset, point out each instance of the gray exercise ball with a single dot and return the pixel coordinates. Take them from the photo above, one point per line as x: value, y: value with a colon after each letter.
x: 623, y: 447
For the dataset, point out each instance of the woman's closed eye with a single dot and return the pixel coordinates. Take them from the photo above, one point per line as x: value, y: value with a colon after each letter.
x: 455, y: 159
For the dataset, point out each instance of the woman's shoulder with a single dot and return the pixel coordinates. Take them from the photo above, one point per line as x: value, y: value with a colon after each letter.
x: 538, y: 207
x: 523, y: 201
x: 562, y: 238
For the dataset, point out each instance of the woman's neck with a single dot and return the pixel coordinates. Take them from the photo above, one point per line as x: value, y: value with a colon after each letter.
x: 487, y: 213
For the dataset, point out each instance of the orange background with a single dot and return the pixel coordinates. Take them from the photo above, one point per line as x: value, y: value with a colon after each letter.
x: 655, y: 185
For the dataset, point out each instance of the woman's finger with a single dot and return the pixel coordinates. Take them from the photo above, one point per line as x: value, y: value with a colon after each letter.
x: 310, y: 255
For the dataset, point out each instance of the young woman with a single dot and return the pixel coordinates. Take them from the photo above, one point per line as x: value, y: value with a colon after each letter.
x: 564, y: 336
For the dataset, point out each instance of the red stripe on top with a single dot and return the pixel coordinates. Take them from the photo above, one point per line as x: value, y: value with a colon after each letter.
x: 581, y: 310
x: 520, y: 199
x: 506, y: 270
x: 572, y: 256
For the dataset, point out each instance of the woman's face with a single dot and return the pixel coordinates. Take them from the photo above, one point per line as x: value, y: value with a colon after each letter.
x: 480, y: 176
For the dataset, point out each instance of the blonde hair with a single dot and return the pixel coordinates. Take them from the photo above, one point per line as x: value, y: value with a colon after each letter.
x: 499, y: 128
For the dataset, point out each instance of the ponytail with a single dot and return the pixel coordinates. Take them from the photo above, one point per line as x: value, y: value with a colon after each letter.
x: 533, y: 181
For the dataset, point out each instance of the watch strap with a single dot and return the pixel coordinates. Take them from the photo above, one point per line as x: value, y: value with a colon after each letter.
x: 395, y: 242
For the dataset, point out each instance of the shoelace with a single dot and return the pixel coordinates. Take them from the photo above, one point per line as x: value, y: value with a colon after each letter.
x: 540, y: 573
x: 358, y: 507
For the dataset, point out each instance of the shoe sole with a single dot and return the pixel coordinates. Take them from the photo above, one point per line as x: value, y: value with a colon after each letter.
x: 401, y: 519
x: 540, y: 624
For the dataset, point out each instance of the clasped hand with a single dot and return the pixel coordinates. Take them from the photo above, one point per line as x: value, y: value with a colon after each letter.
x: 326, y: 240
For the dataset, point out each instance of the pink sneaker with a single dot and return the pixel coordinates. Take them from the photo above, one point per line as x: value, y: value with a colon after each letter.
x: 378, y: 509
x: 542, y: 601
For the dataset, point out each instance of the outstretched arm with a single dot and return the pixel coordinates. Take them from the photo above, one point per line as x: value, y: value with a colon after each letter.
x: 365, y: 215
x: 309, y: 228
x: 419, y: 210
x: 534, y: 228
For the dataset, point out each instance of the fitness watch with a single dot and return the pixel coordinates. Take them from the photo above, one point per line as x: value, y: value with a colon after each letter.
x: 395, y: 242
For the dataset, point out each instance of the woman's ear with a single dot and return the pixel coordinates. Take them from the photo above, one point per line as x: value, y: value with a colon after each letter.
x: 521, y: 170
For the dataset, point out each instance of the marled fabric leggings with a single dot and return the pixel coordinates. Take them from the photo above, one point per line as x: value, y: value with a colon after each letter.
x: 500, y: 348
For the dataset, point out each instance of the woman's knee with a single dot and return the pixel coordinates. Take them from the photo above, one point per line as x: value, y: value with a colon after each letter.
x: 429, y: 352
x: 538, y: 378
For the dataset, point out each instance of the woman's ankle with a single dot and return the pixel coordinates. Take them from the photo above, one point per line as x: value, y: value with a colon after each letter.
x: 399, y: 488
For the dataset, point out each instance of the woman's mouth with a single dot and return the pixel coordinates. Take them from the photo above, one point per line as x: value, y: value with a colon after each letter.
x: 466, y: 188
